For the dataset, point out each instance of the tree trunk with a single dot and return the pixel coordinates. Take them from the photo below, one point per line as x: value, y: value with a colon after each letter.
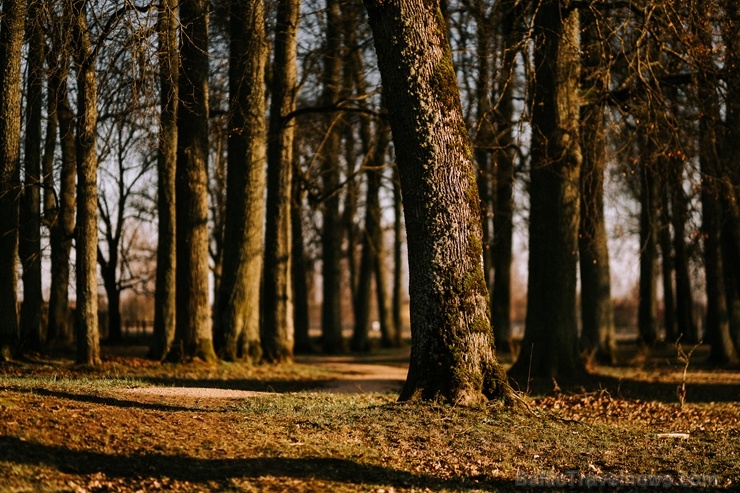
x: 12, y: 25
x: 278, y: 329
x: 597, y: 313
x: 713, y: 213
x: 62, y: 214
x: 331, y: 311
x: 452, y: 353
x: 550, y: 345
x: 165, y: 287
x: 647, y: 316
x: 685, y: 323
x: 238, y: 303
x: 299, y: 269
x: 30, y: 209
x: 667, y: 265
x: 397, y: 298
x: 193, y: 334
x: 86, y: 239
x: 503, y: 225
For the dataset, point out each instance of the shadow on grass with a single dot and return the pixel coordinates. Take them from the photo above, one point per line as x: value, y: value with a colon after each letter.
x: 200, y: 470
x: 96, y: 399
x: 252, y: 385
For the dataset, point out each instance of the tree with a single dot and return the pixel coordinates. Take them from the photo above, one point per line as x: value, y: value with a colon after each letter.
x: 86, y: 239
x: 549, y: 348
x: 331, y: 241
x: 597, y: 313
x: 12, y: 25
x: 165, y: 287
x: 278, y: 310
x: 452, y: 353
x: 59, y: 207
x: 238, y: 303
x: 30, y: 211
x: 193, y: 333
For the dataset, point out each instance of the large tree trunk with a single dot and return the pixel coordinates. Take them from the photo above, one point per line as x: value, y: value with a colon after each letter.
x: 237, y: 311
x: 331, y: 252
x: 86, y: 239
x: 30, y: 211
x: 597, y: 313
x: 550, y: 345
x: 193, y: 334
x: 398, y: 241
x: 452, y: 353
x: 299, y: 270
x: 667, y: 265
x: 12, y: 24
x: 165, y: 287
x: 685, y: 323
x: 278, y: 323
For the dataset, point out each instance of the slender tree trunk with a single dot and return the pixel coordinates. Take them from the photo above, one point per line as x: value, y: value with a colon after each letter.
x: 86, y: 239
x: 397, y: 298
x: 62, y: 215
x: 597, y: 312
x: 238, y: 302
x: 713, y: 213
x: 667, y: 264
x: 647, y: 317
x: 452, y: 353
x: 685, y: 323
x: 331, y: 311
x: 278, y: 330
x: 503, y: 226
x: 30, y: 210
x: 12, y: 25
x: 551, y: 335
x: 165, y: 287
x: 193, y: 334
x: 299, y: 269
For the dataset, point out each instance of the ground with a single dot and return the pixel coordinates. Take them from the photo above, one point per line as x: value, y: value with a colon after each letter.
x: 333, y: 424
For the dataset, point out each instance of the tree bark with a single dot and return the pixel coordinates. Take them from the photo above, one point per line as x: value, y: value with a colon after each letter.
x: 238, y: 303
x: 299, y: 268
x: 647, y: 316
x: 61, y: 213
x: 452, y: 353
x: 12, y: 25
x: 597, y: 313
x: 86, y: 239
x: 166, y: 283
x: 550, y: 342
x: 685, y: 323
x: 331, y: 311
x: 398, y: 241
x: 278, y: 330
x: 670, y: 325
x: 193, y: 333
x: 30, y: 210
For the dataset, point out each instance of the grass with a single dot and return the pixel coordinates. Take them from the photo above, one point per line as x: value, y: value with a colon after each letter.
x: 64, y: 428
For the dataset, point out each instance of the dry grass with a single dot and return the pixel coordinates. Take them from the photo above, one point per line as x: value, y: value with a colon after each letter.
x: 69, y: 429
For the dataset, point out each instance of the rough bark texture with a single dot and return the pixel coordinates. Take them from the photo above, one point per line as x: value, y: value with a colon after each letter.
x: 237, y: 311
x: 550, y: 345
x: 331, y: 240
x: 12, y: 23
x: 193, y: 334
x: 452, y: 353
x: 30, y: 212
x: 278, y: 325
x: 165, y: 287
x: 86, y: 239
x: 597, y: 312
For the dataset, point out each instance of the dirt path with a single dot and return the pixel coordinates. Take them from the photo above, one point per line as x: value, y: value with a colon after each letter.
x: 357, y: 375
